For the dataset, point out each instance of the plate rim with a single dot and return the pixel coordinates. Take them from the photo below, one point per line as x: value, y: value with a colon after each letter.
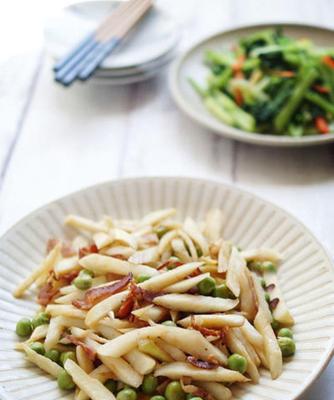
x: 227, y: 130
x: 328, y: 354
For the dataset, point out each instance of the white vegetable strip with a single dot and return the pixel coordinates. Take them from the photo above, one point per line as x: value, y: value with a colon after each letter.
x: 84, y: 224
x: 191, y: 228
x: 91, y: 386
x: 261, y: 300
x: 261, y: 255
x: 232, y: 280
x: 188, y: 302
x: 101, y: 264
x: 236, y: 346
x: 54, y: 332
x: 217, y: 390
x: 155, y: 217
x: 189, y: 341
x: 101, y: 373
x: 213, y: 225
x: 42, y: 362
x: 281, y: 312
x: 214, y: 320
x: 122, y: 370
x: 66, y: 310
x: 271, y: 348
x: 185, y: 285
x: 46, y: 266
x: 180, y: 251
x: 177, y: 370
x: 251, y: 334
x: 224, y: 256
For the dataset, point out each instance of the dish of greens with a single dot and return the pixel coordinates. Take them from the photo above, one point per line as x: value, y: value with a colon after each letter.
x: 271, y: 83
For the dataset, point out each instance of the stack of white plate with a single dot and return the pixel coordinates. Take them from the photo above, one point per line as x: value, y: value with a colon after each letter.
x: 144, y: 53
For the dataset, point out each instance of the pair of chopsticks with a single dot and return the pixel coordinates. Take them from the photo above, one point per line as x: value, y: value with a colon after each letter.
x: 88, y: 55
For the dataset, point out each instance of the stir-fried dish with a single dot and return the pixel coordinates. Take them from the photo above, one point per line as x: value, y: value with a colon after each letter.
x: 271, y: 83
x: 155, y: 308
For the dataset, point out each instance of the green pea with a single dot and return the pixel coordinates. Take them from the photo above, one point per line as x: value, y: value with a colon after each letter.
x: 174, y: 391
x: 127, y: 394
x: 223, y: 291
x: 160, y: 231
x: 65, y: 380
x: 206, y: 286
x: 41, y: 319
x: 199, y: 251
x: 88, y: 272
x: 285, y: 332
x: 142, y: 278
x: 197, y: 398
x: 168, y: 323
x: 158, y: 398
x: 287, y: 346
x: 53, y: 355
x: 66, y: 356
x: 193, y: 397
x: 255, y: 266
x: 275, y: 325
x: 149, y: 384
x: 24, y: 327
x: 111, y: 385
x: 268, y: 266
x: 263, y: 283
x: 237, y: 363
x: 38, y: 347
x: 267, y: 297
x: 83, y: 281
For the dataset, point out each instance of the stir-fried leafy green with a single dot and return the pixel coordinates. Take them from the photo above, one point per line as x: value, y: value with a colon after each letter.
x: 271, y: 83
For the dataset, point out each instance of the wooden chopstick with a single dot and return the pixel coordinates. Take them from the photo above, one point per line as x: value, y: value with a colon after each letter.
x: 91, y: 42
x: 113, y: 38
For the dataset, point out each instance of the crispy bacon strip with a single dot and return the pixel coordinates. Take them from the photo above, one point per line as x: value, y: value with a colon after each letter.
x: 46, y: 294
x: 201, y: 364
x: 270, y: 287
x: 95, y: 295
x: 84, y: 251
x: 195, y: 273
x: 135, y: 299
x: 88, y: 350
x: 274, y: 303
x: 68, y: 278
x: 126, y: 307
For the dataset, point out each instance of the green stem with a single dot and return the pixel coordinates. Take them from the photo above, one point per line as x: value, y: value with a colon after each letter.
x: 320, y: 101
x: 282, y: 119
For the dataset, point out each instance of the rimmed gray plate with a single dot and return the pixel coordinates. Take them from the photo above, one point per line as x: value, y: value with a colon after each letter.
x: 190, y: 64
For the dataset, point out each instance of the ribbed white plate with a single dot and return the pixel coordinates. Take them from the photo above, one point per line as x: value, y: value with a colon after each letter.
x: 306, y: 275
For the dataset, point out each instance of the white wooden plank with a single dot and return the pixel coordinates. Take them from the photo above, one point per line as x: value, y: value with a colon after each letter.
x: 16, y: 87
x: 161, y: 140
x: 71, y: 138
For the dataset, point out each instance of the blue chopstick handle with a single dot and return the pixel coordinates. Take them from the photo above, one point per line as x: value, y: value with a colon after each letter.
x: 80, y: 49
x: 95, y: 61
x: 73, y: 64
x: 67, y: 75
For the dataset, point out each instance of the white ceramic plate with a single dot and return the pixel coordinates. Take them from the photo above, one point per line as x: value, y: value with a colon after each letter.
x: 155, y: 36
x: 306, y: 275
x: 191, y: 65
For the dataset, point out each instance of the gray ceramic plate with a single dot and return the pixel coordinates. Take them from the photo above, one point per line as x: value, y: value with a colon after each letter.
x: 191, y: 65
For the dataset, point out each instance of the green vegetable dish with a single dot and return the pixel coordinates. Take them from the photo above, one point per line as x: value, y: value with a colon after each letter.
x: 271, y: 83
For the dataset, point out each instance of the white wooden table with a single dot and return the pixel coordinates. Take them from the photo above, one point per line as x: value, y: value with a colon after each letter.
x: 55, y: 140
